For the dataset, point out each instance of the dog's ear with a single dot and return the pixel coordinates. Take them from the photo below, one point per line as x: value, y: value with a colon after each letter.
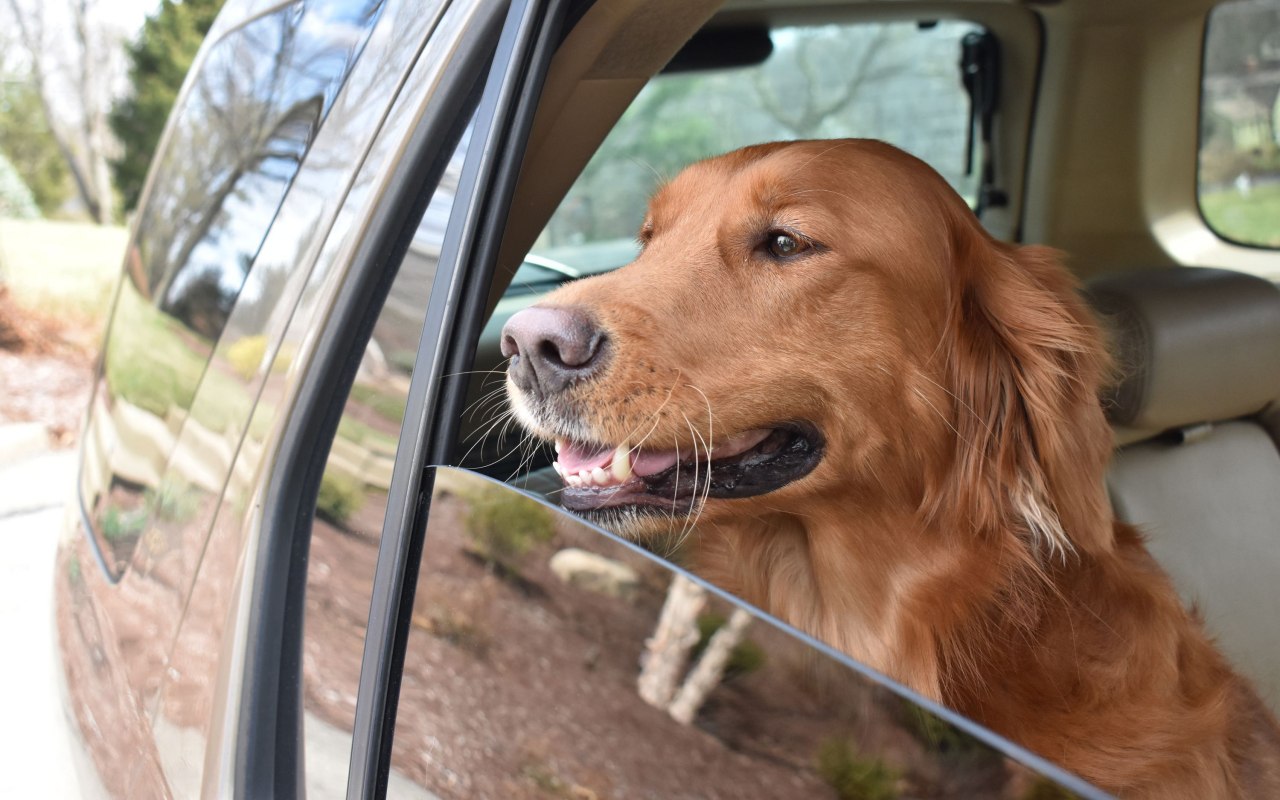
x: 1026, y: 367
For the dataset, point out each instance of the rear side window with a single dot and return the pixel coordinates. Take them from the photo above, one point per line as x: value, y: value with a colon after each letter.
x: 1239, y: 187
x: 237, y: 142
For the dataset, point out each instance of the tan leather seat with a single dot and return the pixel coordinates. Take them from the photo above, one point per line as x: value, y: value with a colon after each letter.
x: 1198, y: 466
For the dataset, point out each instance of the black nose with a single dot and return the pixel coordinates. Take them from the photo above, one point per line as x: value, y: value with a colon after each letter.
x: 550, y: 348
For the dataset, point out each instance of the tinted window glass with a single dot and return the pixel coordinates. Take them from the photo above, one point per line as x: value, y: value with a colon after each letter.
x: 231, y: 156
x: 548, y: 659
x: 1239, y: 184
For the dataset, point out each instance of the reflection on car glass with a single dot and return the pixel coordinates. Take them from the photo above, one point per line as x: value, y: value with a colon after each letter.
x: 240, y: 138
x: 548, y: 659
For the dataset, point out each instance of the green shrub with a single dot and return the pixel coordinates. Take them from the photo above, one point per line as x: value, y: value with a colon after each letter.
x: 504, y: 526
x: 171, y: 502
x: 1045, y: 789
x: 118, y: 524
x: 388, y: 405
x: 746, y: 656
x: 855, y: 777
x: 16, y: 200
x: 245, y: 355
x: 937, y: 735
x: 457, y: 628
x: 340, y: 497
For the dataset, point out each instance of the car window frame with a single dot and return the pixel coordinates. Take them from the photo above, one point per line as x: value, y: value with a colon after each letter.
x: 266, y: 744
x: 456, y: 313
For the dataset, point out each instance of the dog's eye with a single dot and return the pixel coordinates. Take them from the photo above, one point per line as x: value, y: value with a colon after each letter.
x: 781, y: 244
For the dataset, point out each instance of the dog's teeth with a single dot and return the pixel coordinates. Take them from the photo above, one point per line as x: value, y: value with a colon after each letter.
x: 621, y: 467
x: 559, y: 469
x: 560, y: 444
x: 574, y: 481
x: 584, y: 477
x: 599, y: 476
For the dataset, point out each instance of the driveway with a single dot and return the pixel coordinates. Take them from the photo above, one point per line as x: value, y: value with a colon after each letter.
x: 35, y: 756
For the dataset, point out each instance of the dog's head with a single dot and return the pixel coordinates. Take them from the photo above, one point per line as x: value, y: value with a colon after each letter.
x: 814, y: 326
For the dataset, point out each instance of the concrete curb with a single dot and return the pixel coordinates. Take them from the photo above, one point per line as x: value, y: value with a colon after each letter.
x: 33, y: 476
x: 22, y: 440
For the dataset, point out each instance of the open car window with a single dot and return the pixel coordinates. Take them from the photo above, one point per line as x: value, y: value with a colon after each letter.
x: 538, y: 655
x: 867, y: 79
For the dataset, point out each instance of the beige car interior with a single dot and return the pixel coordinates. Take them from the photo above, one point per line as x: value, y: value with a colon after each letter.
x: 1096, y: 145
x: 1198, y: 467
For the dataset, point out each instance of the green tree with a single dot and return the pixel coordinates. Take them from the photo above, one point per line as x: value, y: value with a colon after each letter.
x: 26, y: 139
x: 158, y: 62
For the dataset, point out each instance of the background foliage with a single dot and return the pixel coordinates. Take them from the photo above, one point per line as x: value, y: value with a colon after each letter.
x: 26, y: 140
x: 158, y: 63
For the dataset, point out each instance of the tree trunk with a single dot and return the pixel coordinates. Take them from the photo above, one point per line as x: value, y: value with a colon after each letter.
x: 667, y: 651
x: 87, y: 57
x: 710, y: 668
x: 94, y: 99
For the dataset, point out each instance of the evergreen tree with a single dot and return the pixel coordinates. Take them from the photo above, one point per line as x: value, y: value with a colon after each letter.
x: 159, y: 60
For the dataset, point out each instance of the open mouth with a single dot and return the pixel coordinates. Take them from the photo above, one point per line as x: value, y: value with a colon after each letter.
x: 750, y: 463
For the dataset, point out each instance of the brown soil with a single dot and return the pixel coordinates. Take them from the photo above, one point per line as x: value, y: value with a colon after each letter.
x: 526, y: 688
x: 45, y: 371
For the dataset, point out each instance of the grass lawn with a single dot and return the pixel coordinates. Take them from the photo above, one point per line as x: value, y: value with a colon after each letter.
x: 153, y: 362
x: 1253, y: 220
x: 64, y: 270
x: 68, y: 272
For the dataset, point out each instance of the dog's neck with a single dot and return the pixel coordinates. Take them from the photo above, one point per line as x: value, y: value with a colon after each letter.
x: 862, y: 599
x: 1017, y: 643
x: 899, y: 595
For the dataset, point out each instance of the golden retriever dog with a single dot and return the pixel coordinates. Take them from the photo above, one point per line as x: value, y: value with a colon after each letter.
x: 883, y: 426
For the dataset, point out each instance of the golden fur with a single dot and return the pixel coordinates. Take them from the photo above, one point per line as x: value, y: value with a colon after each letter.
x: 956, y: 535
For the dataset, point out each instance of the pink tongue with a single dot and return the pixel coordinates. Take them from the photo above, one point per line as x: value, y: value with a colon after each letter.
x: 651, y: 463
x: 576, y: 457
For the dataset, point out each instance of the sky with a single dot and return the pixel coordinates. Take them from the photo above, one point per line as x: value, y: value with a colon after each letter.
x: 133, y: 11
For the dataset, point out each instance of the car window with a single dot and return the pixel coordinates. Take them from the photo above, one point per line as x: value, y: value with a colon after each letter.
x: 547, y: 658
x: 251, y: 114
x: 867, y: 79
x: 1239, y: 177
x: 170, y: 608
x: 353, y: 501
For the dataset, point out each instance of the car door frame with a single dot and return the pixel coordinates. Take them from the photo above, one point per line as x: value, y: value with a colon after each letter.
x: 454, y: 317
x: 267, y: 748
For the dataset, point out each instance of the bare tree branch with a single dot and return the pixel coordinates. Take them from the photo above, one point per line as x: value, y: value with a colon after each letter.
x: 667, y: 651
x: 84, y: 140
x: 706, y: 676
x: 812, y: 112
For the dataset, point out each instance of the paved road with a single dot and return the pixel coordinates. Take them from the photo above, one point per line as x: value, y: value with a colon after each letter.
x: 35, y: 756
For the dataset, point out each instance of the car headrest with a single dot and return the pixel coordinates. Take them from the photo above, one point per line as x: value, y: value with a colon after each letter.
x: 1192, y: 344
